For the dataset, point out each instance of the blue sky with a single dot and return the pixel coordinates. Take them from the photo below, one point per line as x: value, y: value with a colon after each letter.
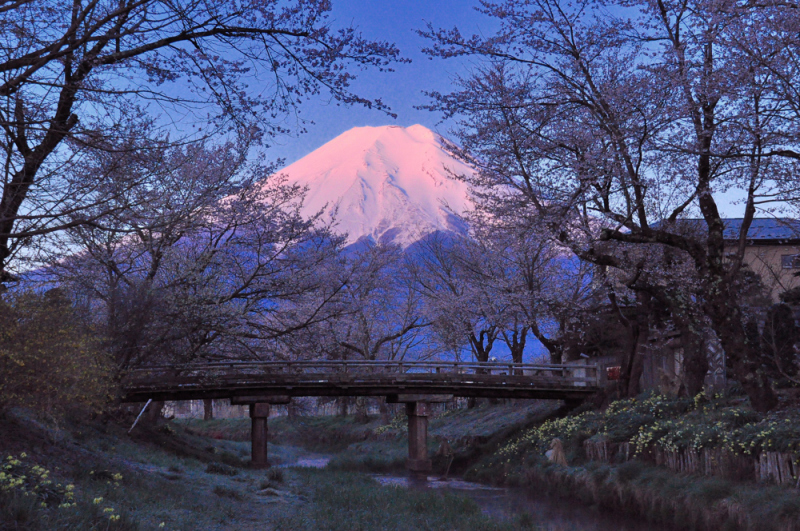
x: 393, y: 21
x: 397, y: 21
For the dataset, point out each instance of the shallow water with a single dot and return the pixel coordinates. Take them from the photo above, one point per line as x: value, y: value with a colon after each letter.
x: 311, y: 461
x: 547, y: 512
x: 551, y: 513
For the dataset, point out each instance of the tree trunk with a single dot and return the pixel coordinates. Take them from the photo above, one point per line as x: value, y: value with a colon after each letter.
x: 695, y: 357
x: 361, y: 410
x: 482, y: 343
x: 516, y: 344
x: 208, y: 409
x: 153, y: 413
x: 635, y: 378
x: 342, y: 403
x: 555, y: 348
x: 741, y: 354
x: 629, y: 383
x: 383, y: 407
x: 633, y: 361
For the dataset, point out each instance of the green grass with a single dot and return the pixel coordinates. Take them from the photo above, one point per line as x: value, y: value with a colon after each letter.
x: 372, y: 456
x: 190, y: 481
x: 157, y: 485
x: 345, y: 501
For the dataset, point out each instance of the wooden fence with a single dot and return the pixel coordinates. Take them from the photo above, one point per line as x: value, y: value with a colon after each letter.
x: 780, y: 468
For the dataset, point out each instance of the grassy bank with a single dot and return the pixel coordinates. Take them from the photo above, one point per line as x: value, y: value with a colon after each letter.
x: 505, y: 445
x: 635, y: 433
x: 115, y: 481
x: 195, y: 475
x: 675, y: 500
x: 92, y: 475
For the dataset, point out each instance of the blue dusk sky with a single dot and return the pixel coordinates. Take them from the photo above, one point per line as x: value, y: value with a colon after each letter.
x: 397, y: 22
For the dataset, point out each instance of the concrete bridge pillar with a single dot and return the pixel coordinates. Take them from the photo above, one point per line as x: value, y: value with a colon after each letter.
x: 259, y: 413
x: 418, y: 460
x: 417, y: 411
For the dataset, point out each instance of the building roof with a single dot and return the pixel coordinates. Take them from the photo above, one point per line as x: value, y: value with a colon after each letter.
x: 764, y: 229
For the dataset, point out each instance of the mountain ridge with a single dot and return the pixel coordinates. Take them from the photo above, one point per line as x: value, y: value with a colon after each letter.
x: 391, y: 184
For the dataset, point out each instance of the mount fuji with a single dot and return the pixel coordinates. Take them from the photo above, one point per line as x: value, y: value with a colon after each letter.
x: 387, y: 184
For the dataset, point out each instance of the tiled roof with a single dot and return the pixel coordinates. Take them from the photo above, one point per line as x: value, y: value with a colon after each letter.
x: 764, y: 229
x: 761, y: 229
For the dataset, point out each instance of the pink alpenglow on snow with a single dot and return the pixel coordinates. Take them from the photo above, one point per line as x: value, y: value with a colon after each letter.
x: 390, y: 183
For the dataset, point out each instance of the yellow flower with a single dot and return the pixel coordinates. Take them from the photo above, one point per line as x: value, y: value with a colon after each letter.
x: 98, y: 500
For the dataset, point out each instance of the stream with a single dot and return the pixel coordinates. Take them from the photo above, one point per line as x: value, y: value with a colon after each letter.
x: 554, y: 514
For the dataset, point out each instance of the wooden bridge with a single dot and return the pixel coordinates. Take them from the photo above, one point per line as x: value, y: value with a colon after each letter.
x: 416, y: 384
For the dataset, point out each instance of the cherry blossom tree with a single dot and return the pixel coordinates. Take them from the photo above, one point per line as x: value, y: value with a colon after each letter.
x: 76, y: 73
x: 529, y: 283
x: 455, y: 305
x: 207, y: 258
x: 380, y: 314
x: 616, y: 124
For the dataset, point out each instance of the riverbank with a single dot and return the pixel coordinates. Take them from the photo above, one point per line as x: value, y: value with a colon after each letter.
x: 90, y: 475
x: 194, y: 474
x: 688, y: 463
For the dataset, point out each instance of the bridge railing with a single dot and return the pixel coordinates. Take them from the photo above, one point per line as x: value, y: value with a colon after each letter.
x: 578, y: 375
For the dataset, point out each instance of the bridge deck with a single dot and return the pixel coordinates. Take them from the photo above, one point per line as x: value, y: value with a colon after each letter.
x: 360, y: 378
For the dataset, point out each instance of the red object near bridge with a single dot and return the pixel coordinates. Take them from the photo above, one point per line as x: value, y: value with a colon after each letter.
x: 613, y: 372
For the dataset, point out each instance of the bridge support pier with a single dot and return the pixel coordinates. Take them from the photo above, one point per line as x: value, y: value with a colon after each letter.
x: 417, y: 411
x: 418, y: 461
x: 259, y: 413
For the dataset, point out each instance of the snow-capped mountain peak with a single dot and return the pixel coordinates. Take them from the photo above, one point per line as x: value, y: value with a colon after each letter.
x: 387, y: 183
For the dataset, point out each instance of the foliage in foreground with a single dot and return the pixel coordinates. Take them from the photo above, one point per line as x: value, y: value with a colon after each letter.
x: 30, y: 500
x: 48, y: 360
x: 663, y: 422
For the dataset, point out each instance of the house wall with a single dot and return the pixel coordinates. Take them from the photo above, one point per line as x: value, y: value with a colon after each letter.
x: 765, y: 261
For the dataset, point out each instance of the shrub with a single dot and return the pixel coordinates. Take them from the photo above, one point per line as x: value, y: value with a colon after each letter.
x: 48, y: 360
x: 30, y: 500
x: 629, y: 471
